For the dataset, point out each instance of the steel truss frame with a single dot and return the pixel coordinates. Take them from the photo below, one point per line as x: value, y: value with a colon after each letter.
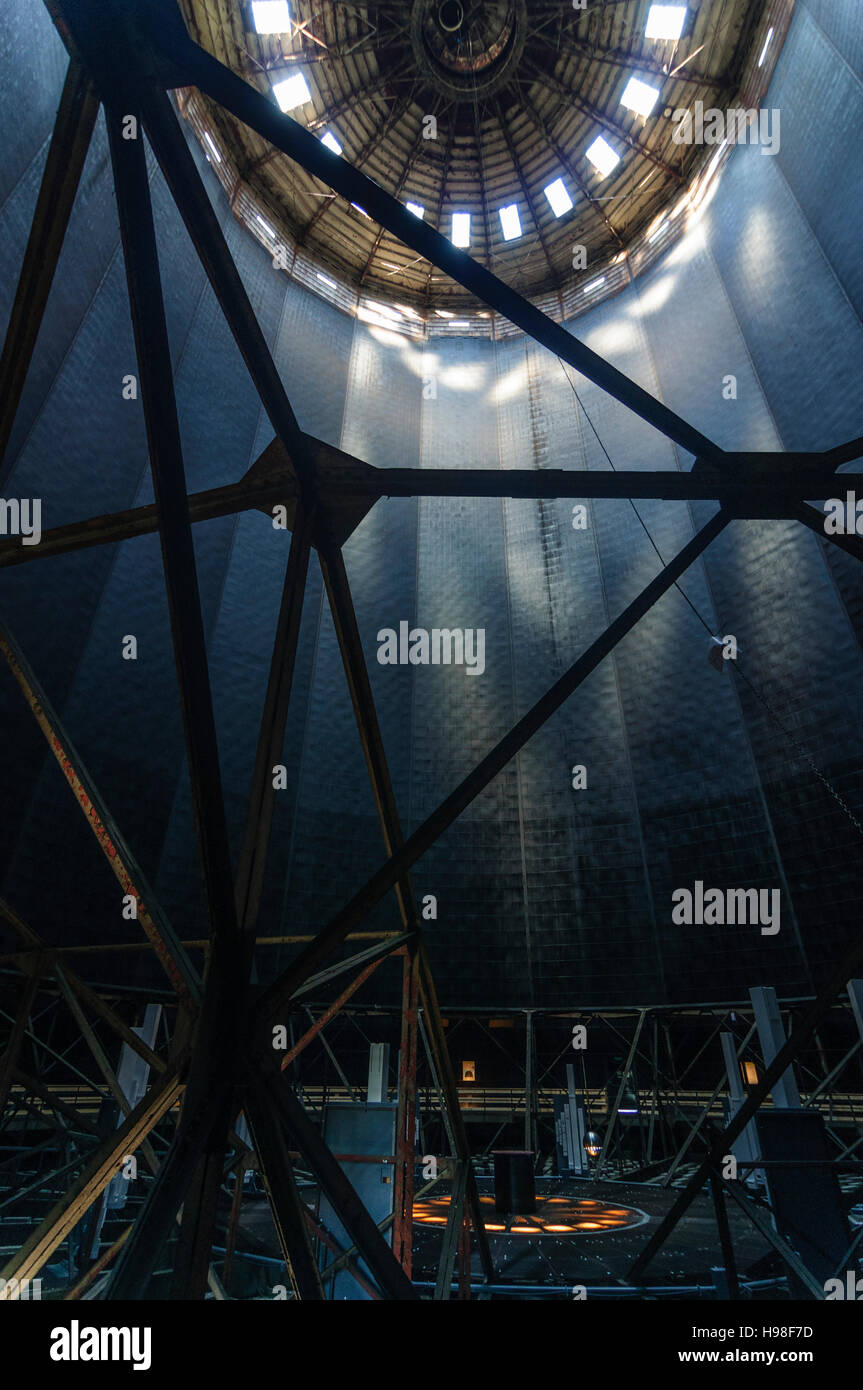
x: 127, y: 56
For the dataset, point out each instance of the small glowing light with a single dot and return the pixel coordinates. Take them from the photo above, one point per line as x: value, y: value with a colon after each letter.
x: 458, y: 323
x: 766, y: 46
x: 750, y: 1073
x: 417, y: 209
x: 327, y: 281
x: 359, y: 209
x: 595, y: 285
x: 602, y: 156
x: 639, y: 96
x: 592, y: 1146
x: 461, y: 229
x: 558, y: 197
x: 293, y: 92
x: 271, y: 16
x: 213, y: 146
x: 331, y: 142
x: 270, y: 231
x: 665, y: 22
x: 510, y: 222
x: 468, y: 1071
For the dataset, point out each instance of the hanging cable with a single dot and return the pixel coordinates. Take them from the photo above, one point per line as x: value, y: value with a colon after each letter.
x: 758, y: 693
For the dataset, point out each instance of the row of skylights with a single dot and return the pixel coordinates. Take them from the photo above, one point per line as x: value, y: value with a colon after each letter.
x: 664, y: 22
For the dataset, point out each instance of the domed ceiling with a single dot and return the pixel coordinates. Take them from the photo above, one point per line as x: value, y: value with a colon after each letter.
x: 472, y: 106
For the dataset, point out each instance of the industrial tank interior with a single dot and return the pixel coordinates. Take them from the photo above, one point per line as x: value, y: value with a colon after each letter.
x: 431, y: 645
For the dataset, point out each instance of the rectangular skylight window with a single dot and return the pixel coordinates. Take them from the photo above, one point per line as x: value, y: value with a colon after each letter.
x: 327, y: 281
x: 665, y: 21
x: 331, y: 142
x: 271, y: 16
x: 458, y: 323
x: 595, y: 285
x: 293, y: 92
x: 461, y: 229
x: 639, y: 96
x: 510, y: 222
x: 417, y: 209
x: 602, y: 156
x: 266, y: 226
x: 558, y: 197
x: 212, y: 146
x: 765, y: 48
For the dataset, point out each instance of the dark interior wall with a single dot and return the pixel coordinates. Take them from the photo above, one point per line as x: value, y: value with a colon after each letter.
x: 546, y: 895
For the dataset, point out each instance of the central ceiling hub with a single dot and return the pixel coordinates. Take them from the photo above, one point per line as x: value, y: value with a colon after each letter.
x: 468, y: 47
x: 450, y: 16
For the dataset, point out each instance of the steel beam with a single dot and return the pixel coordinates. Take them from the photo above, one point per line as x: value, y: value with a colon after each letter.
x: 31, y: 1085
x: 9, y: 1058
x: 486, y: 770
x: 286, y: 1204
x: 48, y: 959
x: 612, y: 1119
x: 356, y: 485
x: 803, y: 1032
x: 352, y: 1214
x: 97, y: 1172
x: 329, y: 1240
x: 259, y: 817
x: 101, y: 1059
x: 725, y: 1241
x: 403, y: 1183
x: 67, y: 153
x: 184, y: 181
x: 206, y: 1118
x: 763, y: 1222
x: 452, y: 1232
x: 330, y: 1012
x: 356, y: 673
x: 169, y: 951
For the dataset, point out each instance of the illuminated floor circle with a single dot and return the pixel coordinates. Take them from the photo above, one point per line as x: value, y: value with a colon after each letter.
x: 554, y: 1216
